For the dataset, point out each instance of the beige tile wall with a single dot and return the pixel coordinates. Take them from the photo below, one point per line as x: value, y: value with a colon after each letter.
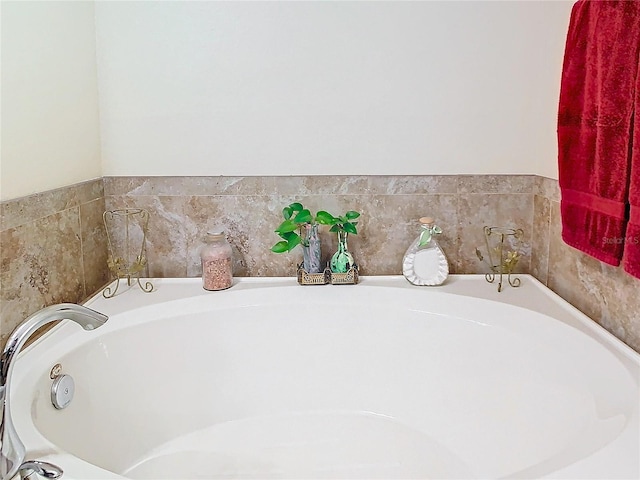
x: 53, y: 245
x: 606, y: 294
x: 183, y: 208
x: 52, y: 250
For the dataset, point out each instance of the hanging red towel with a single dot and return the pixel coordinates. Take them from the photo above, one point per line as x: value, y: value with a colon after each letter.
x: 632, y: 240
x: 595, y: 119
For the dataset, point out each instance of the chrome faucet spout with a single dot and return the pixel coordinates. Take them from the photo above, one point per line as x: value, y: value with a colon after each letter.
x: 12, y: 451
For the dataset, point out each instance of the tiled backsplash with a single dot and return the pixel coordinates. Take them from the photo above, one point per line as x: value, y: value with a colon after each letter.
x: 54, y: 245
x: 183, y: 208
x: 606, y: 294
x: 53, y: 250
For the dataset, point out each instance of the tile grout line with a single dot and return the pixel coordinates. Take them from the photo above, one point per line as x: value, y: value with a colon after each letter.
x: 84, y: 275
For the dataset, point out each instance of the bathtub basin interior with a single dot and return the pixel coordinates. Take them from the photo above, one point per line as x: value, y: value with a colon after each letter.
x: 381, y: 380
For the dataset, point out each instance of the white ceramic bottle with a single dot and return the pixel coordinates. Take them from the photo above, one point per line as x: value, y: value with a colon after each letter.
x: 425, y: 263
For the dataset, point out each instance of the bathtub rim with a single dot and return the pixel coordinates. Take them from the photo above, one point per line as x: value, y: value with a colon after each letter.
x: 472, y: 285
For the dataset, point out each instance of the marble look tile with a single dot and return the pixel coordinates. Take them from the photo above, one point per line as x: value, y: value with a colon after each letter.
x: 622, y: 313
x: 606, y: 294
x: 284, y: 185
x: 501, y: 210
x: 166, y: 238
x: 4, y: 329
x: 548, y: 188
x: 116, y: 186
x: 249, y: 222
x: 495, y: 184
x: 187, y: 186
x: 321, y: 185
x: 40, y: 265
x: 28, y: 209
x: 94, y: 246
x: 390, y: 224
x: 370, y: 185
x: 387, y: 226
x: 540, y: 238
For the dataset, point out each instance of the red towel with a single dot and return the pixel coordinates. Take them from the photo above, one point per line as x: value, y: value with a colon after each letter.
x: 632, y: 244
x: 595, y: 119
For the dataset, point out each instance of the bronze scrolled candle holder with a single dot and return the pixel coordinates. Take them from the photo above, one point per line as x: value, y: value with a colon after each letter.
x: 126, y: 240
x: 503, y: 247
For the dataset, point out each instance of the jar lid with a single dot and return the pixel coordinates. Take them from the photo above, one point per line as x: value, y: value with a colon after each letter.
x: 217, y: 230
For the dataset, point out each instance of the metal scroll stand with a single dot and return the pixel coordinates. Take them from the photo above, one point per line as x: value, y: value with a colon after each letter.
x: 126, y: 238
x: 503, y: 249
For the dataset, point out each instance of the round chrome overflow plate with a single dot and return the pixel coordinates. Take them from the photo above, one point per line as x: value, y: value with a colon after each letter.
x: 62, y: 391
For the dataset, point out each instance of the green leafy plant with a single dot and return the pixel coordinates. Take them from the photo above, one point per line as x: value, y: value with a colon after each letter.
x: 342, y: 260
x: 296, y: 217
x: 290, y: 230
x: 344, y: 223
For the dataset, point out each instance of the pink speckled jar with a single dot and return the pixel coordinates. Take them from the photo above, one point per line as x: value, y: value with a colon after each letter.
x: 217, y: 261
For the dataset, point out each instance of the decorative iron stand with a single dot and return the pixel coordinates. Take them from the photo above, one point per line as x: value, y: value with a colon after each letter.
x: 503, y: 251
x: 126, y: 238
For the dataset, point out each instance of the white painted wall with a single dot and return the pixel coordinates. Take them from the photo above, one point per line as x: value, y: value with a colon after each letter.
x: 49, y: 98
x: 278, y: 88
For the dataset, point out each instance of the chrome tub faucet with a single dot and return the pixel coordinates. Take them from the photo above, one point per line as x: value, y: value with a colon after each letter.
x: 12, y: 450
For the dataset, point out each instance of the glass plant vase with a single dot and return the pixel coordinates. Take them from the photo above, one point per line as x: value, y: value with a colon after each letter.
x: 342, y: 260
x: 311, y: 249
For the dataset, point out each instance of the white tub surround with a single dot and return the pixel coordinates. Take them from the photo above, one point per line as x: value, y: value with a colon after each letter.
x: 384, y: 379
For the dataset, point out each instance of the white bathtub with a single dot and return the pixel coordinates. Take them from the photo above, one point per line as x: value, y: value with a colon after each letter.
x: 380, y: 380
